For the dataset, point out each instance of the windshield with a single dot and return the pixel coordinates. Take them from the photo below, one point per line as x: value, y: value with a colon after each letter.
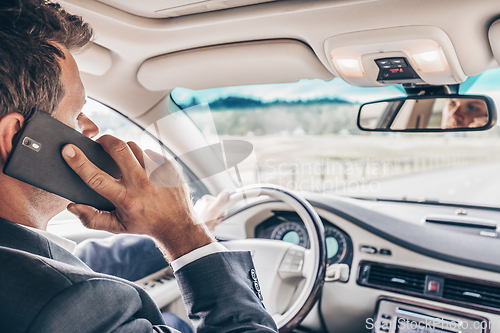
x: 305, y: 138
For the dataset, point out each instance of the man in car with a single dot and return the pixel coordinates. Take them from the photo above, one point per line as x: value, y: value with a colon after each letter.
x: 460, y: 113
x: 44, y: 287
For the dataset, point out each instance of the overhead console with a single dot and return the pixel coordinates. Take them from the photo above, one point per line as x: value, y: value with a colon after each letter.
x: 414, y: 54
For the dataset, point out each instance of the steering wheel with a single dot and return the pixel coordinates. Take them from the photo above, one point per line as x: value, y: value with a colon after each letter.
x: 282, y: 266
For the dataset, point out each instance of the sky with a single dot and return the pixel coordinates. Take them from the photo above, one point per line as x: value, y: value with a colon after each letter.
x: 303, y: 90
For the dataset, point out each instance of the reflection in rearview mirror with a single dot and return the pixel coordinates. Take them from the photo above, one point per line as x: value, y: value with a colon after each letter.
x: 431, y: 114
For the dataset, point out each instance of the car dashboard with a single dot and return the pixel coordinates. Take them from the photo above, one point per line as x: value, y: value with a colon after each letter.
x: 398, y: 259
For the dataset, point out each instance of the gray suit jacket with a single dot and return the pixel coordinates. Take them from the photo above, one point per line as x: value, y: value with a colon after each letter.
x: 45, y: 289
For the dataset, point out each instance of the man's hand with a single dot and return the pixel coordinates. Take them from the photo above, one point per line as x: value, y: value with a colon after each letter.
x: 161, y: 208
x: 211, y: 210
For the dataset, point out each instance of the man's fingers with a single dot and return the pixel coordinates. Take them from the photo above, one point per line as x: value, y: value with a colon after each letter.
x: 121, y: 154
x: 96, y: 219
x: 155, y: 157
x: 212, y: 210
x: 94, y: 177
x: 223, y: 195
x: 221, y: 200
x: 161, y: 171
x: 161, y: 159
x: 137, y: 152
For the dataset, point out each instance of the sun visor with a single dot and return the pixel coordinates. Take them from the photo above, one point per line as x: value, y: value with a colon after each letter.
x: 494, y: 37
x: 276, y: 61
x: 413, y: 54
x: 96, y: 60
x: 174, y: 8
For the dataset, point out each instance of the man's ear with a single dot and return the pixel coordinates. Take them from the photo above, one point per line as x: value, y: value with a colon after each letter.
x: 10, y: 125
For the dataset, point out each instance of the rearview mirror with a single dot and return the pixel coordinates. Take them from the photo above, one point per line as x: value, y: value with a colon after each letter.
x: 447, y: 113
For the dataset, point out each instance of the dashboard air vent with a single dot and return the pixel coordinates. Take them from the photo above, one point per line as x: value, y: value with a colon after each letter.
x: 472, y: 292
x: 396, y: 278
x: 446, y: 288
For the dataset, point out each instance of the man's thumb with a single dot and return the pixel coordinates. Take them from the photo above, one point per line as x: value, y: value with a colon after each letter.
x: 93, y: 218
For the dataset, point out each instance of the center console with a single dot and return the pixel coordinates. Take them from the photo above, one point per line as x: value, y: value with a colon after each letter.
x: 401, y: 316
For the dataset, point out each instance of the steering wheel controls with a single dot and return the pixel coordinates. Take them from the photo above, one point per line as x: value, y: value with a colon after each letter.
x: 291, y: 266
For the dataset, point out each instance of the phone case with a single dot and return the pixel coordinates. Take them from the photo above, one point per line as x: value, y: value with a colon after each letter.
x: 36, y: 159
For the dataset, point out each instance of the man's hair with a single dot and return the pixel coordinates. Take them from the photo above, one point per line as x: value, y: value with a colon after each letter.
x: 31, y: 32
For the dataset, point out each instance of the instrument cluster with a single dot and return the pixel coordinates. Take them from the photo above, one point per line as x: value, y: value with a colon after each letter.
x: 287, y: 226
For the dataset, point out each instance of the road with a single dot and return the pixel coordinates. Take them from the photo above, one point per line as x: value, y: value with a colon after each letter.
x: 477, y: 184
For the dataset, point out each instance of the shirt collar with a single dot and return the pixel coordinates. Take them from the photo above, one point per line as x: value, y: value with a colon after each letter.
x: 65, y: 243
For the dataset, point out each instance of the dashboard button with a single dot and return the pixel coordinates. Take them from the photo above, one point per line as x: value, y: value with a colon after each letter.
x: 434, y: 285
x: 398, y: 61
x: 384, y: 62
x: 385, y: 252
x: 368, y: 249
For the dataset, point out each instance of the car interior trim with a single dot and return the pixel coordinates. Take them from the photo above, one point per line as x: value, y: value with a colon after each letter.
x: 96, y: 60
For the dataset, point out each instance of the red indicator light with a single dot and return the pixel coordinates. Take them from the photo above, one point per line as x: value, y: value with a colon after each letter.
x: 433, y: 286
x: 396, y: 70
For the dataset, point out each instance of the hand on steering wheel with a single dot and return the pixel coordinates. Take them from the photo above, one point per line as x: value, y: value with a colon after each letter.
x: 212, y: 210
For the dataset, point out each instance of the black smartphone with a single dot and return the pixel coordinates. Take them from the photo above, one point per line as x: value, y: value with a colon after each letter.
x: 36, y: 159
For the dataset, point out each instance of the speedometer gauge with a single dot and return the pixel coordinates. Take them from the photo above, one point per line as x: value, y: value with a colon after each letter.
x: 336, y: 245
x: 291, y: 232
x: 288, y: 227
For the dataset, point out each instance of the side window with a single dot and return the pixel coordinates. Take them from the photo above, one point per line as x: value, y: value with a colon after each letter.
x: 109, y: 122
x: 112, y: 122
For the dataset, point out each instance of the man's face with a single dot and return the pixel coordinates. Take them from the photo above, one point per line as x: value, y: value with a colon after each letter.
x: 464, y: 113
x: 69, y: 110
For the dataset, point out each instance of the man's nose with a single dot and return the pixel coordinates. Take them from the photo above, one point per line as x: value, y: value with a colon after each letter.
x: 457, y: 111
x: 88, y: 127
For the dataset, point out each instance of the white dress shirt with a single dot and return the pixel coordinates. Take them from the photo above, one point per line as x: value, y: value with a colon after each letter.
x: 177, y: 264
